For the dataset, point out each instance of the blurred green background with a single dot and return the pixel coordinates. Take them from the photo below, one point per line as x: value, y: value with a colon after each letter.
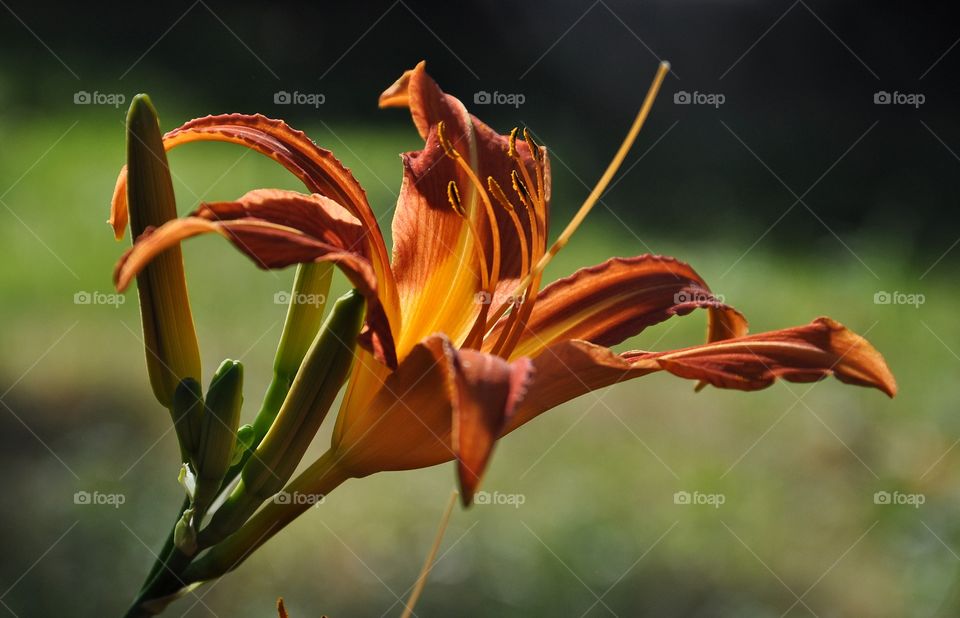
x: 599, y: 533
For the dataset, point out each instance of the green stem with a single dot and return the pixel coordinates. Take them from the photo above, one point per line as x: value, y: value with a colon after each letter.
x: 167, y: 547
x: 324, y: 370
x: 167, y: 585
x: 304, y: 317
x: 322, y: 477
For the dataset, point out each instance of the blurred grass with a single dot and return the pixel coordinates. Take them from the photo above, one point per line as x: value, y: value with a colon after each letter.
x: 798, y: 464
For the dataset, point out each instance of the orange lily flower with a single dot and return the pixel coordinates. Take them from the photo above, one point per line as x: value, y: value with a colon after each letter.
x: 461, y: 344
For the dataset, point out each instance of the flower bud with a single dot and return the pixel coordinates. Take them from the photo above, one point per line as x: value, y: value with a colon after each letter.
x: 304, y: 317
x: 186, y: 409
x: 168, y: 331
x: 218, y: 433
x: 324, y: 370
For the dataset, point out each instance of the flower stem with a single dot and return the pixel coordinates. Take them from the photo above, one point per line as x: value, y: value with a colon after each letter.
x: 167, y: 547
x: 318, y: 480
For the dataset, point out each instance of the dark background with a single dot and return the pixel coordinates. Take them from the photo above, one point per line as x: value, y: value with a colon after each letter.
x: 798, y: 79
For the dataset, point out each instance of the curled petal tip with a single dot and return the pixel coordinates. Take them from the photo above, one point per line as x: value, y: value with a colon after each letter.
x: 860, y: 363
x: 799, y: 354
x: 398, y: 95
x: 487, y: 391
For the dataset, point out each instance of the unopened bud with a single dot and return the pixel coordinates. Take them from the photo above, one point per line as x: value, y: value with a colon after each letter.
x: 168, y: 331
x: 218, y: 433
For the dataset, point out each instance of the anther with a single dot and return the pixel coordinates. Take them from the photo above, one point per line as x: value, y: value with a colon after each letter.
x: 512, y: 151
x: 446, y: 145
x: 453, y: 194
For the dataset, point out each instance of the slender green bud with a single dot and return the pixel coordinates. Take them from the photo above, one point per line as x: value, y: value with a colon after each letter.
x: 306, y: 303
x: 218, y: 433
x: 304, y: 315
x: 325, y: 368
x: 168, y: 332
x: 307, y: 300
x: 187, y: 412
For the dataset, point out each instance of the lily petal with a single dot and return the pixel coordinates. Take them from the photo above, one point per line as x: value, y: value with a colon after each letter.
x: 487, y: 392
x: 800, y: 354
x: 607, y: 303
x: 440, y: 404
x: 434, y: 261
x: 824, y: 347
x: 427, y: 233
x: 316, y: 167
x: 276, y: 229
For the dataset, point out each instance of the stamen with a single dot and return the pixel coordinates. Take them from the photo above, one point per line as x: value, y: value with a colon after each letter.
x: 474, y: 339
x: 534, y: 207
x: 539, y: 205
x: 536, y: 218
x: 453, y: 194
x: 515, y: 325
x: 448, y: 148
x: 601, y: 186
x: 521, y: 190
x: 512, y: 150
x: 498, y: 194
x: 491, y: 216
x: 534, y: 146
x: 538, y: 158
x: 508, y: 325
